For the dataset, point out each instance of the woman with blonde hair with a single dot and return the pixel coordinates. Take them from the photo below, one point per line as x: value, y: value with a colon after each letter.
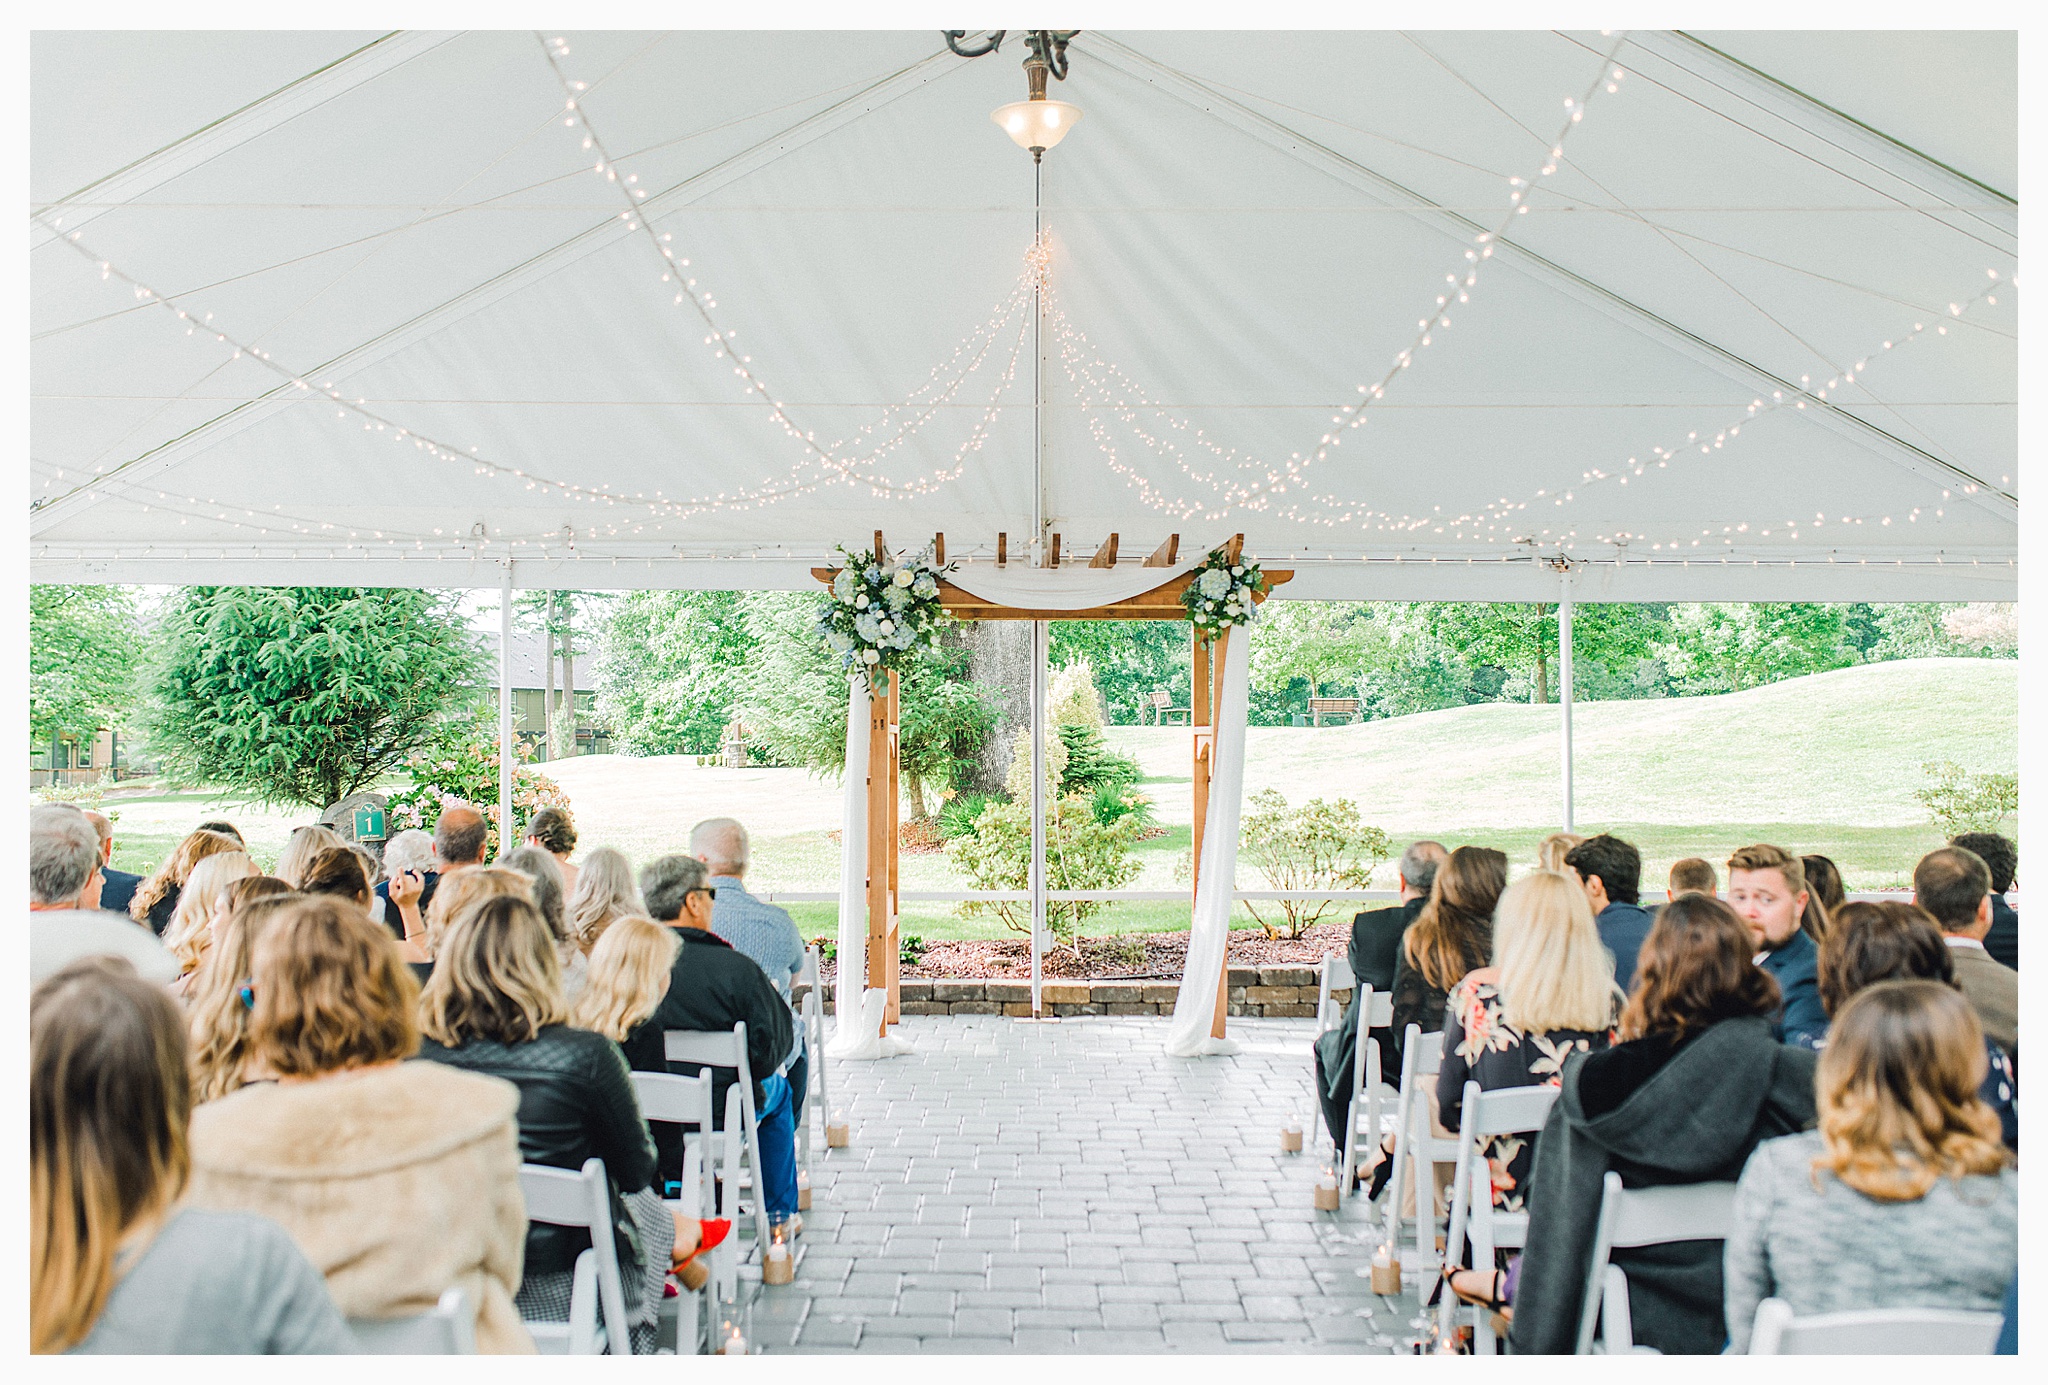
x: 117, y: 1262
x: 156, y: 898
x: 218, y: 1005
x: 463, y: 890
x: 200, y: 903
x: 1551, y: 851
x: 399, y: 1180
x: 605, y: 891
x: 1550, y: 993
x: 629, y: 972
x: 1904, y: 1197
x: 306, y: 843
x: 494, y: 1006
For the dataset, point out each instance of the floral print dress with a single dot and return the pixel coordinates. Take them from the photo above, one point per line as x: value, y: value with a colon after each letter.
x: 1480, y: 1046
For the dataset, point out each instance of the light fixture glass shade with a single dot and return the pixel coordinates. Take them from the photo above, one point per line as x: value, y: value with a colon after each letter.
x: 1036, y: 124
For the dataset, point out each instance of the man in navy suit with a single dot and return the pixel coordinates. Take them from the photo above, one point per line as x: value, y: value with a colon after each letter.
x: 1767, y: 887
x: 118, y: 886
x: 1611, y: 871
x: 2003, y: 859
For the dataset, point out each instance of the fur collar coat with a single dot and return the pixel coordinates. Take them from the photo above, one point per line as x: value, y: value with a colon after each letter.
x: 396, y: 1182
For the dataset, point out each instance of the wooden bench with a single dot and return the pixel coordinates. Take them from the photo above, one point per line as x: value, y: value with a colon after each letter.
x: 1160, y: 705
x: 1343, y: 709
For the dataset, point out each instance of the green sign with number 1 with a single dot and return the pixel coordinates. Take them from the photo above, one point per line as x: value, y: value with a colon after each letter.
x: 369, y: 823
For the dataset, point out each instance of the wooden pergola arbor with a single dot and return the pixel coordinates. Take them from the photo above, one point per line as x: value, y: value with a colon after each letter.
x: 1162, y: 602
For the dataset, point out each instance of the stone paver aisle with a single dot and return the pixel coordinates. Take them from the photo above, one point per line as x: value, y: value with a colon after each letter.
x: 1017, y: 1187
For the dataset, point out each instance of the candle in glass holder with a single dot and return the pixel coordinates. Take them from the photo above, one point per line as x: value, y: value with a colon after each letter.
x: 837, y: 1133
x: 1290, y: 1137
x: 1326, y: 1191
x: 776, y: 1265
x: 734, y: 1344
x: 1386, y: 1272
x: 803, y: 1191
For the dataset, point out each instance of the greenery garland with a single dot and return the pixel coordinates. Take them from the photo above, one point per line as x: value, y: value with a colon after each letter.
x: 1222, y: 594
x: 882, y: 610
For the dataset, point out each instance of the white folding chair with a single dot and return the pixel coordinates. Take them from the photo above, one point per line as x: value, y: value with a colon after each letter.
x: 558, y: 1197
x: 687, y: 1101
x: 817, y: 1100
x: 1375, y: 1011
x: 702, y: 1048
x: 447, y: 1329
x: 1631, y: 1217
x: 1873, y: 1332
x: 1418, y: 1149
x: 1484, y: 1115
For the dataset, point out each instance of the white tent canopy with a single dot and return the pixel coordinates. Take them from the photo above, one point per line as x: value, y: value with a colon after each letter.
x: 317, y: 308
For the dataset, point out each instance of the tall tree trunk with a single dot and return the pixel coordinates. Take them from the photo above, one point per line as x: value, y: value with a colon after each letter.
x: 999, y: 658
x: 569, y: 675
x: 913, y: 789
x: 547, y: 700
x: 1541, y: 693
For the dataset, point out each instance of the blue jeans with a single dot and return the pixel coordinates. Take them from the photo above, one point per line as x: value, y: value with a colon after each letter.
x: 777, y: 1174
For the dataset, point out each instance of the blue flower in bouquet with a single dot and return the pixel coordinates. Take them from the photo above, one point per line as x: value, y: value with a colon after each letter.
x: 926, y: 586
x: 896, y: 597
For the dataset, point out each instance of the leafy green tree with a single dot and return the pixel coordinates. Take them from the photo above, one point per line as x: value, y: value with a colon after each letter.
x: 304, y: 694
x: 669, y: 668
x: 1131, y: 659
x: 793, y: 699
x: 1726, y: 647
x: 1328, y: 645
x: 1082, y: 852
x: 83, y: 644
x: 1522, y: 637
x: 1321, y: 845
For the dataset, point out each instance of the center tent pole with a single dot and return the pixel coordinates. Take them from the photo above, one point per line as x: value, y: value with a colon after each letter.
x: 1564, y: 684
x: 1040, y: 631
x: 505, y: 757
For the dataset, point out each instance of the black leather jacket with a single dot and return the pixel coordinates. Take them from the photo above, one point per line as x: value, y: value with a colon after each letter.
x: 575, y: 1100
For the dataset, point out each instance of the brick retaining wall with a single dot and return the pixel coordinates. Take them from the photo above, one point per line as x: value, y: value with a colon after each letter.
x: 1272, y: 992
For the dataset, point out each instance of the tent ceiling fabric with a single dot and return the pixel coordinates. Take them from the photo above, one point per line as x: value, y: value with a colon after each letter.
x: 1244, y: 231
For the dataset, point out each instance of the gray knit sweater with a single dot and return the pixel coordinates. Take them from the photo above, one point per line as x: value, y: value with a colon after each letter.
x: 1830, y: 1249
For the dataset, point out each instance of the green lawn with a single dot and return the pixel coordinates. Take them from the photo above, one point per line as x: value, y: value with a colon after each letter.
x: 1827, y: 763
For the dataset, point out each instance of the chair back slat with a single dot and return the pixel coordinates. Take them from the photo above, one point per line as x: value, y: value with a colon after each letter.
x: 1685, y: 1212
x: 1379, y: 1011
x: 1429, y: 1051
x: 447, y: 1329
x: 557, y: 1197
x: 1337, y: 974
x: 718, y: 1048
x: 1873, y: 1332
x: 668, y: 1097
x: 1510, y: 1111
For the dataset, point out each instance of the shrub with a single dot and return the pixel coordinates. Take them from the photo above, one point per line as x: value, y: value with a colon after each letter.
x: 1080, y: 854
x: 1113, y: 802
x: 958, y: 813
x: 86, y: 793
x: 1321, y: 845
x: 1090, y: 763
x: 1960, y: 802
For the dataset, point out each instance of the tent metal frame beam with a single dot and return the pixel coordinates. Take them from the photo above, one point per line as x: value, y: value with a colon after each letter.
x: 1229, y: 111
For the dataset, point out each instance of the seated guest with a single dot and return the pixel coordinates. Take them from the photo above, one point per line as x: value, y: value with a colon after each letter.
x: 398, y: 1180
x: 1895, y: 941
x: 337, y: 872
x: 1691, y: 876
x: 1376, y: 936
x: 460, y: 837
x: 1551, y: 851
x: 65, y: 920
x: 546, y: 874
x: 764, y: 932
x: 156, y: 898
x: 1451, y: 936
x: 2002, y: 857
x: 605, y: 891
x: 1612, y: 871
x: 1824, y: 883
x: 117, y: 887
x: 1549, y: 994
x: 411, y: 852
x: 1903, y: 1198
x: 117, y: 1263
x: 464, y: 890
x: 712, y: 987
x: 494, y: 1006
x: 226, y: 829
x: 1696, y: 1083
x: 1767, y: 889
x: 1954, y: 885
x: 554, y: 831
x: 200, y: 903
x: 629, y: 976
x: 217, y: 1005
x: 306, y: 843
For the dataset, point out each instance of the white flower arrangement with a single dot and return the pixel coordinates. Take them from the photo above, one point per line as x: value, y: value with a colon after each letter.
x: 1222, y: 594
x: 881, y: 611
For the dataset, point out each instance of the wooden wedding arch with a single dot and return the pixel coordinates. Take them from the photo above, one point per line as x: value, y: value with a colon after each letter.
x: 1162, y: 602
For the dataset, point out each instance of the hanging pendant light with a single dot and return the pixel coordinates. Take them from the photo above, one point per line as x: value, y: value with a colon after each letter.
x: 1035, y: 123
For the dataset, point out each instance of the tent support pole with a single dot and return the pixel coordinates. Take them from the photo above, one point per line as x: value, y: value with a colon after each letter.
x: 1564, y: 683
x: 1039, y: 639
x: 505, y: 758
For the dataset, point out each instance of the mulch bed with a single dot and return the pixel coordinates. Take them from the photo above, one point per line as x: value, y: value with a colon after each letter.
x: 1163, y: 956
